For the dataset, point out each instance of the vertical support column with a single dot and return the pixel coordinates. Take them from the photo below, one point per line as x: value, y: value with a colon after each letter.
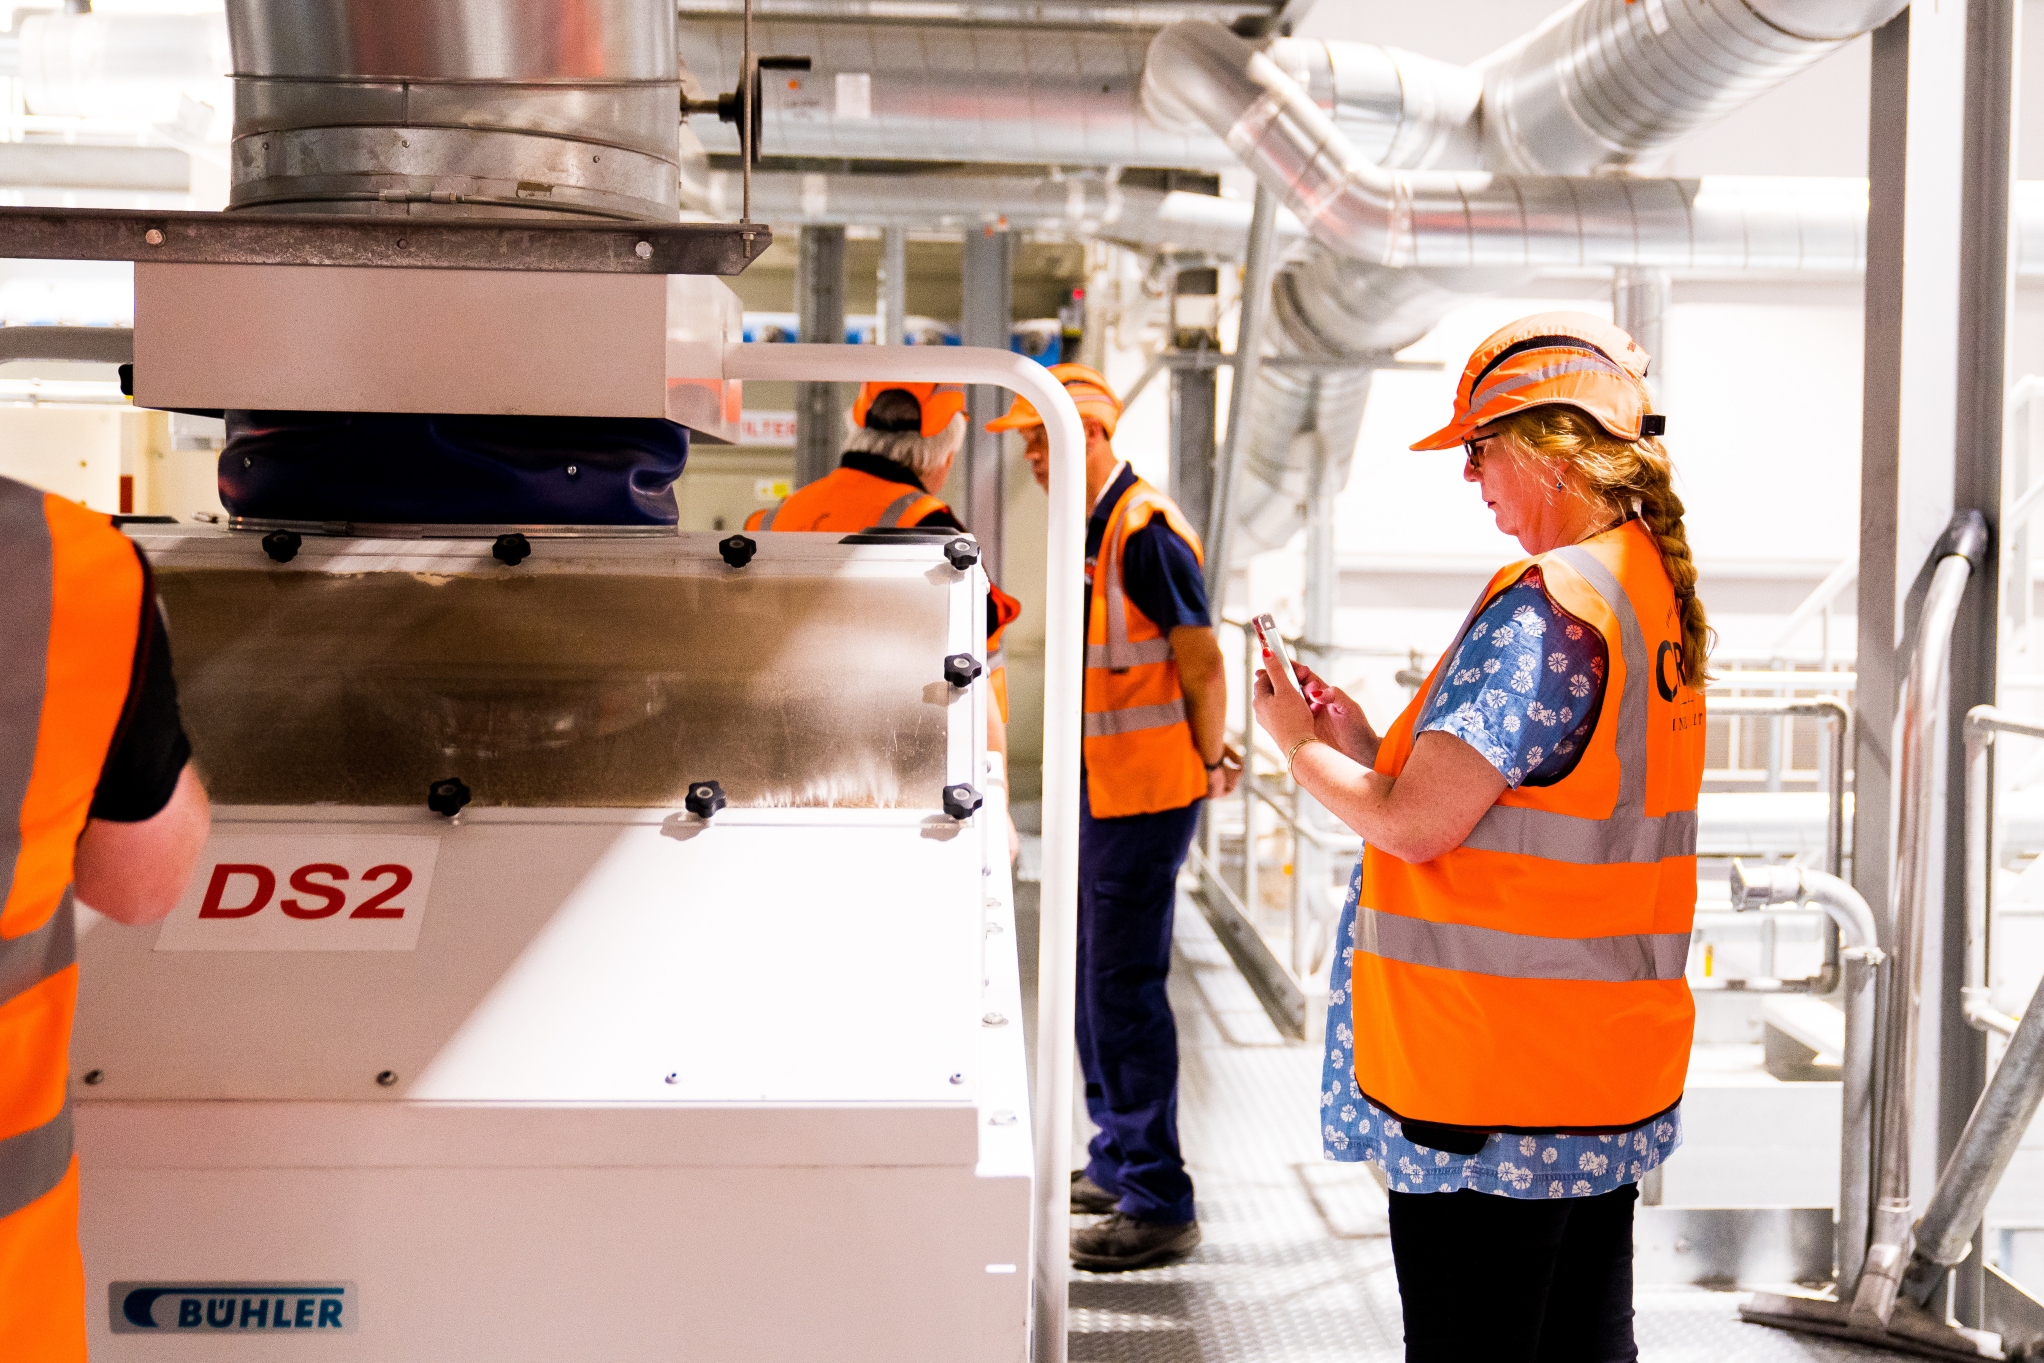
x: 820, y: 306
x: 1937, y: 298
x: 893, y: 286
x: 986, y: 319
x: 1309, y: 863
x: 1986, y: 293
x: 1194, y: 401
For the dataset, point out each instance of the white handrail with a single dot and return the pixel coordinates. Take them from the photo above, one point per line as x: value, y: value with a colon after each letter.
x: 1064, y: 586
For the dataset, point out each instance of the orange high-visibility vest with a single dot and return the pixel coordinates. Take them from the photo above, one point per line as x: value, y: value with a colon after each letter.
x: 846, y: 500
x: 69, y: 622
x: 1532, y: 978
x: 1140, y: 755
x: 850, y: 500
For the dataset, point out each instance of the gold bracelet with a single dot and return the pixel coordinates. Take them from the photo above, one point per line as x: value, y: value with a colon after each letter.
x: 1292, y: 753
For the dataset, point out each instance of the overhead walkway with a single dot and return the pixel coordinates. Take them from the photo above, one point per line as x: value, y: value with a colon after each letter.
x: 1296, y: 1262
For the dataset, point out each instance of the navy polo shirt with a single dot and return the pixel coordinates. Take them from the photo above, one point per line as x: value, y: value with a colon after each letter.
x: 1159, y: 571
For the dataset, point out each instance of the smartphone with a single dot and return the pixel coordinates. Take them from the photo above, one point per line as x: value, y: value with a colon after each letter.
x: 1277, y: 662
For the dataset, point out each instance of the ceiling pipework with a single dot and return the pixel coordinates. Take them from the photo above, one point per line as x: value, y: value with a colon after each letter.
x: 469, y: 108
x: 1043, y: 95
x: 1611, y: 82
x: 1392, y: 252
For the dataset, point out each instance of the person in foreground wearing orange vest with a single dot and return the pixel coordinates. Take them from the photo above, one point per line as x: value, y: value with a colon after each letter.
x: 1156, y: 701
x: 903, y: 438
x: 1512, y: 1044
x: 97, y: 799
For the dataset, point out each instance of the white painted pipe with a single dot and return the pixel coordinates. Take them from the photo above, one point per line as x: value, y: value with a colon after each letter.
x: 1064, y: 625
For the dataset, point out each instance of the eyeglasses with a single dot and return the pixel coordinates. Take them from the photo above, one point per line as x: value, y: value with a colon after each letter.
x: 1474, y: 450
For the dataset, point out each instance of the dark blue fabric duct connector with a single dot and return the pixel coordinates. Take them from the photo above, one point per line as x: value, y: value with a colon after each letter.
x: 451, y: 470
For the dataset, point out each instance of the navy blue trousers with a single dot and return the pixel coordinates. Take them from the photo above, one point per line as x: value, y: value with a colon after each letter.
x: 1128, y: 1040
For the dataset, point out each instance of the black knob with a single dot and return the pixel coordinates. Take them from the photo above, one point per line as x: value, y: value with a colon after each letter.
x: 960, y: 669
x: 963, y: 553
x: 511, y: 550
x: 447, y: 796
x: 704, y: 798
x: 282, y: 545
x: 960, y: 801
x: 737, y: 550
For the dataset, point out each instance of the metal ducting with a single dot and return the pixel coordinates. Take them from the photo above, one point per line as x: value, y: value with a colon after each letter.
x: 1085, y: 206
x: 1393, y: 251
x: 462, y: 107
x: 1041, y: 95
x: 1610, y: 82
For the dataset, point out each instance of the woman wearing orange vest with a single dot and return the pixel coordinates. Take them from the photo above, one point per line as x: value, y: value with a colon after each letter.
x: 1155, y: 704
x: 1509, y: 1025
x: 96, y: 797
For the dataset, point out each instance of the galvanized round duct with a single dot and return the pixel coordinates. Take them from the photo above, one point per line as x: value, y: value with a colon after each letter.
x: 1610, y: 82
x: 470, y: 108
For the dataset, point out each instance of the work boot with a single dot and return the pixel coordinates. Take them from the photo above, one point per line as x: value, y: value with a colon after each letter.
x: 1122, y: 1242
x: 1088, y: 1197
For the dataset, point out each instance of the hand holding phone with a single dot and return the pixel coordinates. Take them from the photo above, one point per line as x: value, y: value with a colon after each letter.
x: 1276, y: 660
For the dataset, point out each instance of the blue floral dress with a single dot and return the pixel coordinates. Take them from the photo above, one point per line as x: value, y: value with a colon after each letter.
x: 1523, y: 689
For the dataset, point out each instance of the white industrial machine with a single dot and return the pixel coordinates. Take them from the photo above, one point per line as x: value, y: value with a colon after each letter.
x: 600, y: 954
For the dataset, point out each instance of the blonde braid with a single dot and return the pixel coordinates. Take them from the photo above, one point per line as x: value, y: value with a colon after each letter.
x: 1624, y: 474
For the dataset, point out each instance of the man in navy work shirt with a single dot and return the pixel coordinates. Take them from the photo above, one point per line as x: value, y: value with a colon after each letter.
x: 1156, y: 703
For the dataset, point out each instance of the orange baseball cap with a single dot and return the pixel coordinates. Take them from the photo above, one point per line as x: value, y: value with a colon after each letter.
x: 1090, y: 394
x: 937, y: 404
x: 1567, y: 358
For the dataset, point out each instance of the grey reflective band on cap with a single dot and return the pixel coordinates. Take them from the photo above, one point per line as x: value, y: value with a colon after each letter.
x: 898, y: 508
x: 766, y: 522
x: 1627, y: 835
x: 27, y: 582
x: 1105, y: 723
x: 1625, y: 959
x: 1584, y: 362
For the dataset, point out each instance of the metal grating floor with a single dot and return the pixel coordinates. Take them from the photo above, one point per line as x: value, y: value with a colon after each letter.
x: 1295, y: 1266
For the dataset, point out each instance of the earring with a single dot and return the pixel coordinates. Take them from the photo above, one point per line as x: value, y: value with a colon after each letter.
x: 1557, y: 485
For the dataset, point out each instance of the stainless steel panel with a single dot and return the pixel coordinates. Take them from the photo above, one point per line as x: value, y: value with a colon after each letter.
x: 559, y: 689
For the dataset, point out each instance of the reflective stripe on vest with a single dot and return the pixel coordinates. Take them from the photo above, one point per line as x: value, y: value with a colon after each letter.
x: 1627, y: 834
x: 1140, y: 757
x: 766, y: 522
x: 1512, y: 955
x: 26, y: 582
x: 32, y: 1162
x: 1135, y: 719
x: 891, y: 517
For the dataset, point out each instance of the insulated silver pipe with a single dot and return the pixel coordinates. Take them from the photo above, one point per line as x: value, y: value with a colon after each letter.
x: 1606, y: 83
x: 1753, y: 887
x: 1471, y: 220
x: 1963, y: 547
x: 1043, y: 94
x: 1083, y: 205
